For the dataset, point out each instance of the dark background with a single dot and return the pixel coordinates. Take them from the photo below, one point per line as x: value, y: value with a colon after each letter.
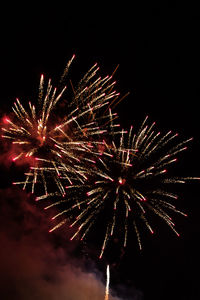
x: 158, y: 52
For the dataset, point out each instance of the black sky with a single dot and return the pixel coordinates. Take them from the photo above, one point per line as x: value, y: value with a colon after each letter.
x: 157, y: 49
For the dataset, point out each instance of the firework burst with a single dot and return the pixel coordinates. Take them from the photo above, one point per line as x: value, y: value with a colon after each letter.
x: 128, y: 182
x: 53, y: 138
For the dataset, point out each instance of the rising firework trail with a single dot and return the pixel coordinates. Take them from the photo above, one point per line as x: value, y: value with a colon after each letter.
x: 127, y: 186
x: 107, y: 283
x: 53, y: 139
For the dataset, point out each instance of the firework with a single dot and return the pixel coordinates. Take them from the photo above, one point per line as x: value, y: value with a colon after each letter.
x: 53, y: 135
x: 72, y: 147
x: 127, y: 184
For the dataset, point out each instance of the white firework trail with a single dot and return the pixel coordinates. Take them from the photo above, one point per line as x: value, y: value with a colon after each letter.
x: 107, y: 283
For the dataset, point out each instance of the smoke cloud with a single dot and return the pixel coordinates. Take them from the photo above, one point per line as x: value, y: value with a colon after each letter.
x: 33, y: 264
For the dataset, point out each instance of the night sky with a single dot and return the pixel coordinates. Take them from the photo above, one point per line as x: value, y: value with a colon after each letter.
x: 158, y: 52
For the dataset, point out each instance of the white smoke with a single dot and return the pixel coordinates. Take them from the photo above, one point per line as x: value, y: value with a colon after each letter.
x: 32, y: 266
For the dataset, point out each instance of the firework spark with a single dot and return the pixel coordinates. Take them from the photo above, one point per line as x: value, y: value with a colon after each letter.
x: 128, y: 183
x: 54, y: 146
